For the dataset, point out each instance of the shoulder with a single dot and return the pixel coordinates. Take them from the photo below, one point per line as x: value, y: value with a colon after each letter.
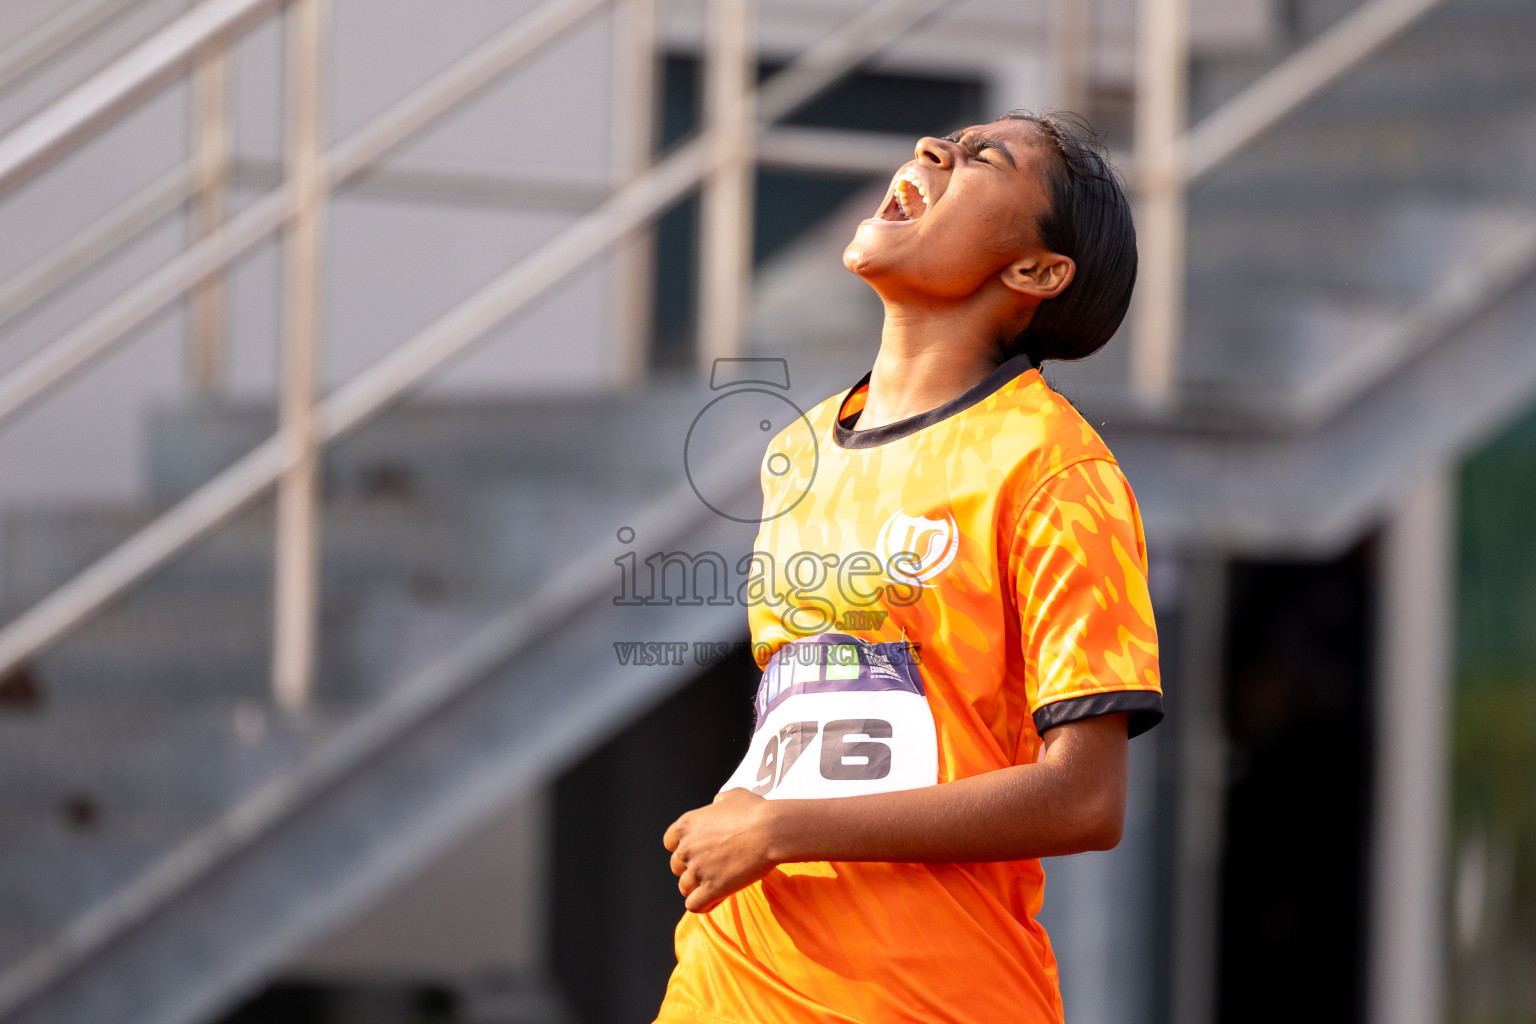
x: 1048, y: 443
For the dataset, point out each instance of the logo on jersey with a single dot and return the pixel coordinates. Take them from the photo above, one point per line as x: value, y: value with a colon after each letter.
x: 918, y: 549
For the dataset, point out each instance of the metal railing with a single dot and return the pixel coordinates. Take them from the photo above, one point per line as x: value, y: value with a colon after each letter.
x: 55, y: 36
x: 714, y: 158
x: 720, y: 158
x: 1170, y: 158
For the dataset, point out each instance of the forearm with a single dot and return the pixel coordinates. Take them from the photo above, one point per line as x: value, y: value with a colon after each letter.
x: 1072, y: 799
x: 1024, y: 811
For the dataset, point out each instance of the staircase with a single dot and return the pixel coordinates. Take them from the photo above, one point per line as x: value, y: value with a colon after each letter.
x: 153, y: 726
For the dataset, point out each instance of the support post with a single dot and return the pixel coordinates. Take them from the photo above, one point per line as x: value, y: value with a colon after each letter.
x: 1413, y: 703
x: 634, y: 132
x: 296, y: 586
x: 1072, y: 54
x: 211, y: 161
x: 1161, y: 73
x: 726, y: 249
x: 1195, y: 711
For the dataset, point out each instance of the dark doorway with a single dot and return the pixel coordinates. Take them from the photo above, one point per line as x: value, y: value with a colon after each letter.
x: 1298, y: 720
x: 786, y: 202
x: 615, y: 901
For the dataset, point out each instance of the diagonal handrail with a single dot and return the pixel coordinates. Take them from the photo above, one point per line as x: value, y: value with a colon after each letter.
x: 1170, y: 157
x: 96, y: 241
x: 1295, y: 80
x: 393, y: 376
x: 54, y: 36
x: 50, y: 134
x: 93, y: 338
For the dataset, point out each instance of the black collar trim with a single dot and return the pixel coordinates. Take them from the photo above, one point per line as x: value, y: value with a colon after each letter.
x: 847, y: 437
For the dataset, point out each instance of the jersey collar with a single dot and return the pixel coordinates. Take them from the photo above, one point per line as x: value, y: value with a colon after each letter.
x: 845, y: 436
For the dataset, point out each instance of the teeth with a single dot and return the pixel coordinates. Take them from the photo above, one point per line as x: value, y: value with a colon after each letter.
x: 906, y: 184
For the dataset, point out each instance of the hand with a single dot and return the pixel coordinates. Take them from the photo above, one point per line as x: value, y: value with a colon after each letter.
x: 719, y: 849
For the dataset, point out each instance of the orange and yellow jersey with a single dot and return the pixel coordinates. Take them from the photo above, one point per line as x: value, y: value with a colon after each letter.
x: 926, y: 599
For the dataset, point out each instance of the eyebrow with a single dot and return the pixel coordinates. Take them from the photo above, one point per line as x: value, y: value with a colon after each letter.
x: 981, y: 144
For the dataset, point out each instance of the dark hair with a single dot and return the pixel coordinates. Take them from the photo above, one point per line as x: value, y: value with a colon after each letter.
x: 1089, y: 220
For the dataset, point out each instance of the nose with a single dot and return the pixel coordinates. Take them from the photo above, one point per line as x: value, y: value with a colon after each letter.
x: 938, y: 152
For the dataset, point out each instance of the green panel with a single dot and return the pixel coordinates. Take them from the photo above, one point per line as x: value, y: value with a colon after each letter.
x: 1498, y: 558
x: 1493, y: 856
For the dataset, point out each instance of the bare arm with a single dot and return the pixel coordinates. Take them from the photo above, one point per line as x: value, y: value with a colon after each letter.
x: 1071, y: 800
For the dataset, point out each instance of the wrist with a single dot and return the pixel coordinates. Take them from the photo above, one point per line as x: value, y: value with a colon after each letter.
x: 775, y: 826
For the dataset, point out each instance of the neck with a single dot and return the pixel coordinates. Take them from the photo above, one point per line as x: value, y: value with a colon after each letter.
x: 927, y: 357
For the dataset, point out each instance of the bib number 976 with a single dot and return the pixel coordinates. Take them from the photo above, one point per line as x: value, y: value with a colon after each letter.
x: 851, y: 749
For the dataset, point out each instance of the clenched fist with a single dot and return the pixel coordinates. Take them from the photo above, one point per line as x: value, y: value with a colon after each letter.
x: 721, y: 848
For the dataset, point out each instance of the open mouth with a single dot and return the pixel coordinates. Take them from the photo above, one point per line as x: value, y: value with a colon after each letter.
x: 908, y: 199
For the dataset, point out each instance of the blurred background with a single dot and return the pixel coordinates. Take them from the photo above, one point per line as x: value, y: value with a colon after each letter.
x: 368, y: 616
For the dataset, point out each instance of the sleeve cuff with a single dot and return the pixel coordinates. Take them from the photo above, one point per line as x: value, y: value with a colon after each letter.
x: 1143, y: 709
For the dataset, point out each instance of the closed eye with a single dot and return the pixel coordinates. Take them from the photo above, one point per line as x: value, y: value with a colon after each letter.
x: 986, y: 144
x: 974, y: 146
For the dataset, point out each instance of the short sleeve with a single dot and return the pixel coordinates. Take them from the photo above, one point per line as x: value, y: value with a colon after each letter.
x: 1079, y: 568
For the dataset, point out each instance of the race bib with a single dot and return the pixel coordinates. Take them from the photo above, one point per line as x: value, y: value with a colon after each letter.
x: 839, y: 716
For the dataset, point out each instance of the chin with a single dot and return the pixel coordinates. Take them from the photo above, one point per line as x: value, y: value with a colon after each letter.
x: 860, y: 255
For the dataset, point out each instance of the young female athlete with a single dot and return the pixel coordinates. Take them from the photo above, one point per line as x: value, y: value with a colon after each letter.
x: 957, y: 609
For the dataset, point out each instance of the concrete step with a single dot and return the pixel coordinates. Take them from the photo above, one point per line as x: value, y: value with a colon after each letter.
x: 175, y: 649
x: 1449, y: 105
x: 48, y: 880
x: 428, y: 448
x: 203, y: 624
x: 88, y: 766
x: 1465, y: 50
x: 95, y: 786
x: 1395, y: 249
x: 408, y: 542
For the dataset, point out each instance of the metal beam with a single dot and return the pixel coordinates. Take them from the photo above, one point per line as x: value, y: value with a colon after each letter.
x: 1072, y: 25
x: 296, y: 575
x: 725, y: 223
x: 834, y: 150
x: 1406, y: 973
x: 1200, y: 787
x: 636, y: 25
x: 1158, y: 310
x: 54, y: 131
x: 213, y: 139
x: 839, y: 52
x: 570, y: 192
x: 840, y: 151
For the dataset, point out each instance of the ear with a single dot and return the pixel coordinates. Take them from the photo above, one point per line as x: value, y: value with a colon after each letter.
x: 1041, y: 276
